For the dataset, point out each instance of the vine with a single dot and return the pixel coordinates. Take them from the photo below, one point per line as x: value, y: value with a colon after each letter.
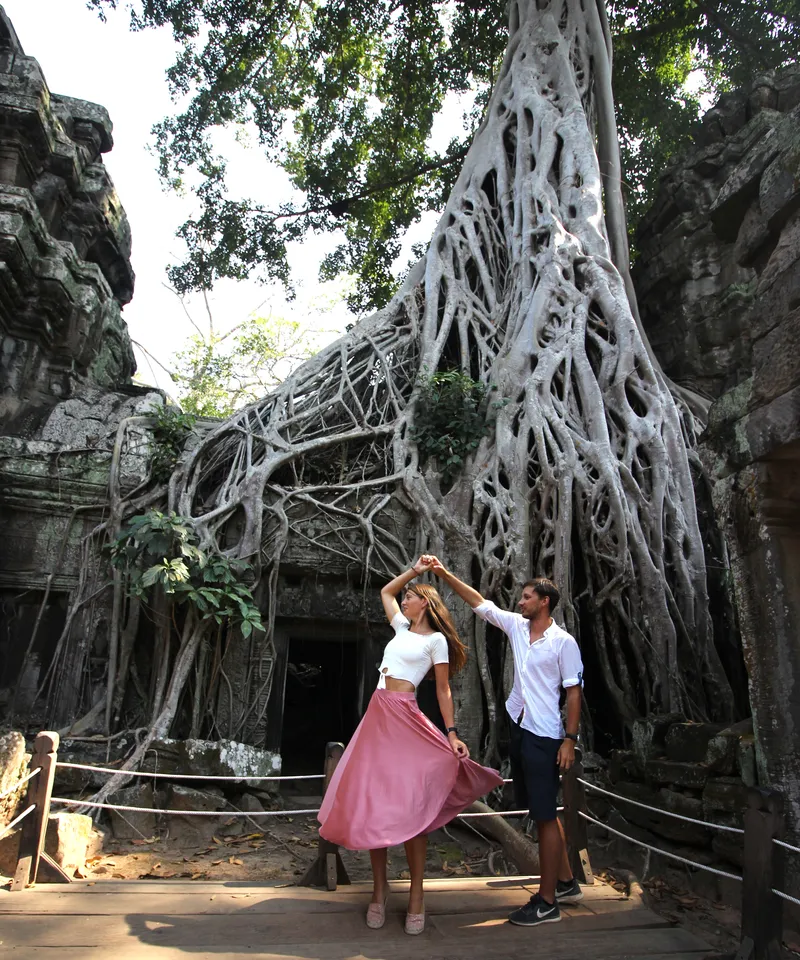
x: 451, y: 417
x: 157, y: 551
x: 171, y: 428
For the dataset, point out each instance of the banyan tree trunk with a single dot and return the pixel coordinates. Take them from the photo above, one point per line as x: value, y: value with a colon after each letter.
x: 584, y: 474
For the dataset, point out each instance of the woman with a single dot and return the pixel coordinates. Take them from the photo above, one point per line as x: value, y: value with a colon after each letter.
x: 400, y: 777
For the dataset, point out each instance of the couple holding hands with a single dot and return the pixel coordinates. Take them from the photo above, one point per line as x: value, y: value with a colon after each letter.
x: 400, y: 778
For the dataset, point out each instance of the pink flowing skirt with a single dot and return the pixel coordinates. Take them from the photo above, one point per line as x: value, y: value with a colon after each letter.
x: 398, y: 778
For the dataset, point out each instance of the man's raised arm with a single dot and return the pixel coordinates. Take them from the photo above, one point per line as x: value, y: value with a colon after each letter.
x: 467, y: 593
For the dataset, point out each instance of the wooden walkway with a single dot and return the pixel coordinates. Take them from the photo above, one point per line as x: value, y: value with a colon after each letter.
x: 167, y: 920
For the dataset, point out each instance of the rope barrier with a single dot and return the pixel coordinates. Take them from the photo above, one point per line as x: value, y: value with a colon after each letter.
x: 785, y: 845
x: 181, y: 813
x: 785, y: 896
x: 10, y: 826
x: 240, y: 813
x: 664, y: 853
x: 668, y: 813
x: 182, y: 776
x: 19, y: 783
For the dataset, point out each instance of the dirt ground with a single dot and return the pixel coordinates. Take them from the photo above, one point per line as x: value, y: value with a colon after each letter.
x: 279, y: 848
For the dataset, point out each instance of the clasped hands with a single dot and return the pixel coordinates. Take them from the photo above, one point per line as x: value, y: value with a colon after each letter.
x: 428, y: 563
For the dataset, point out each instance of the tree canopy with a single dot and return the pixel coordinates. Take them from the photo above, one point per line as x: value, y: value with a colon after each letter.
x: 343, y: 95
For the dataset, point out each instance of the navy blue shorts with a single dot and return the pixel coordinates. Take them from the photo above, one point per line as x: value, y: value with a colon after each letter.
x: 534, y: 770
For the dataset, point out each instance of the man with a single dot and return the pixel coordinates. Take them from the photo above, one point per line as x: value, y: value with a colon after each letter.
x: 546, y: 658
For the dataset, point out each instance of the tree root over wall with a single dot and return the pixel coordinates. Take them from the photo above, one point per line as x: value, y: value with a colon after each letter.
x: 584, y: 475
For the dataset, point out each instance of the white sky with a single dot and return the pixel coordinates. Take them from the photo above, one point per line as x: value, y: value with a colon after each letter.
x: 106, y: 63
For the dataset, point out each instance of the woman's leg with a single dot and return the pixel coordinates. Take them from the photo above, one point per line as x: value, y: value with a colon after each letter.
x: 416, y: 851
x: 380, y: 886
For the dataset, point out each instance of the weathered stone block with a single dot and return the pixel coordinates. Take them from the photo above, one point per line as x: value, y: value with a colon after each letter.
x: 779, y: 190
x: 721, y: 754
x: 193, y: 830
x: 688, y: 742
x: 690, y: 775
x: 649, y: 734
x: 659, y: 823
x: 746, y: 761
x: 67, y: 841
x: 776, y: 359
x: 127, y: 825
x: 753, y: 235
x: 13, y: 764
x: 624, y: 765
x: 215, y: 758
x: 724, y: 795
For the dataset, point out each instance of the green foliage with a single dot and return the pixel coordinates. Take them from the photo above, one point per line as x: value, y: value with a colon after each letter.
x: 217, y: 374
x: 162, y: 550
x: 450, y: 419
x: 353, y: 88
x: 171, y: 430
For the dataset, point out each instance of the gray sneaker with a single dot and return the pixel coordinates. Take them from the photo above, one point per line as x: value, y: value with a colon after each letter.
x: 568, y: 891
x: 536, y: 911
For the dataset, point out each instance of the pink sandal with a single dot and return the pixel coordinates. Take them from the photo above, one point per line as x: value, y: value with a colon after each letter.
x: 376, y: 914
x: 415, y: 923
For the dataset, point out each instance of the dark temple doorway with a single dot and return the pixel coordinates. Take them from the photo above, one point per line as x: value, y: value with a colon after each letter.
x: 321, y: 699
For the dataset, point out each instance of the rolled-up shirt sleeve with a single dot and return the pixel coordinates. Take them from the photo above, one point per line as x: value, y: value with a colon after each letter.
x: 570, y: 663
x: 491, y: 613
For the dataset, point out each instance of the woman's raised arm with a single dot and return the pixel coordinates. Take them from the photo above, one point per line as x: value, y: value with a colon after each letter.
x: 389, y: 592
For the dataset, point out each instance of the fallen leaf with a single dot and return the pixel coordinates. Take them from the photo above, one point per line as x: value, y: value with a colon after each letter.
x: 216, y: 840
x: 239, y: 863
x: 216, y: 863
x: 405, y: 875
x: 198, y: 876
x: 118, y: 876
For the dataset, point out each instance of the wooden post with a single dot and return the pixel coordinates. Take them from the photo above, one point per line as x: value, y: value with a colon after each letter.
x: 574, y: 795
x: 328, y: 869
x: 34, y: 827
x: 762, y: 911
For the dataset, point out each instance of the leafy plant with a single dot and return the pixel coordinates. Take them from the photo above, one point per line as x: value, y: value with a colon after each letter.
x: 158, y: 549
x: 451, y: 417
x: 170, y: 433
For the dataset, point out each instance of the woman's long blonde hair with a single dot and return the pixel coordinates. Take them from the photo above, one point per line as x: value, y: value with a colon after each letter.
x: 440, y: 619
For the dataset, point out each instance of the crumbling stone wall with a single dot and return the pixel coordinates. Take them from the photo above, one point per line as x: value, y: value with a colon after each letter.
x: 65, y: 370
x: 719, y: 280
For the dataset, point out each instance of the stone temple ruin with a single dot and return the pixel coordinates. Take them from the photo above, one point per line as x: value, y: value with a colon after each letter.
x: 66, y: 374
x: 718, y: 280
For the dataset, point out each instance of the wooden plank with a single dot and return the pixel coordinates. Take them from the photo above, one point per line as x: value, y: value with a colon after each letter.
x: 246, y: 928
x: 299, y: 952
x: 599, y: 891
x: 487, y: 923
x: 392, y: 944
x: 218, y: 903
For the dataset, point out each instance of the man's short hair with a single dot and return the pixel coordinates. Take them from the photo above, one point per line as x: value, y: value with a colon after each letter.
x: 545, y: 588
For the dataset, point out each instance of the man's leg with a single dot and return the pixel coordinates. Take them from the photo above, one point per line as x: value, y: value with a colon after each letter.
x: 541, y: 780
x: 551, y: 850
x: 564, y: 869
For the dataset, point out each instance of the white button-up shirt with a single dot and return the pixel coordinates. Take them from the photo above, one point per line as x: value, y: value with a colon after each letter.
x: 541, y: 668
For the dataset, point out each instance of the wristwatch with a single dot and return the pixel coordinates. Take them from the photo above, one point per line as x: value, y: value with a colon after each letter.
x: 571, y: 736
x: 452, y: 730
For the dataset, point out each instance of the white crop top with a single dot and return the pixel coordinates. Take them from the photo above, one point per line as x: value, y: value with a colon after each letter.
x: 409, y: 656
